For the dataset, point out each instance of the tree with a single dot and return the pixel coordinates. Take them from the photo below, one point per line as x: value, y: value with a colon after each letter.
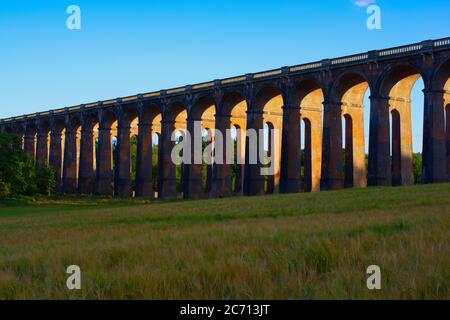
x: 45, y: 179
x: 417, y: 167
x: 18, y: 174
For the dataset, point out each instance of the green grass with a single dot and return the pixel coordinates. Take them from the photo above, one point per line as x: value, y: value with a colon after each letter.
x: 302, y: 246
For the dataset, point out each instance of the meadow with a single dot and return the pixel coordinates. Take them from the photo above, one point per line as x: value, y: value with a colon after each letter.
x: 300, y: 246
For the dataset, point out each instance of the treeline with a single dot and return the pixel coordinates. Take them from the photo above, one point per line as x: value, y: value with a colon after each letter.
x: 20, y: 175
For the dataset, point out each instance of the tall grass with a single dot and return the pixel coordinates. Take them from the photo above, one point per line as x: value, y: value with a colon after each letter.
x: 303, y: 246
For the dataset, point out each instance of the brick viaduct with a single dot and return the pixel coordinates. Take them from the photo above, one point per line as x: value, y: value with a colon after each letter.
x: 77, y: 141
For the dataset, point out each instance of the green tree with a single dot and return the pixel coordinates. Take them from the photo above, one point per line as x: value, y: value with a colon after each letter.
x: 45, y: 179
x: 18, y: 174
x: 4, y: 190
x: 13, y: 164
x: 417, y: 167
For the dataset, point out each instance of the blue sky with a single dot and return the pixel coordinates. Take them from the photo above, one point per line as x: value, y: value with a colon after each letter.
x: 129, y: 47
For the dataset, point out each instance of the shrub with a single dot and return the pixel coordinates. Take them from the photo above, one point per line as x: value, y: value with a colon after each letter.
x: 4, y: 190
x: 19, y: 174
x: 417, y: 167
x: 45, y: 179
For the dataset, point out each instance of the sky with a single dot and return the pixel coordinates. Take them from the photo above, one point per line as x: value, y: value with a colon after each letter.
x: 129, y: 47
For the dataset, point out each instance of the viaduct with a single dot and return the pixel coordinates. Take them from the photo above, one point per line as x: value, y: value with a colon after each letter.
x: 327, y: 96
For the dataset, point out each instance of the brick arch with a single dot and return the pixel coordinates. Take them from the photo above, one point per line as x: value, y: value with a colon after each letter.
x: 57, y: 125
x: 201, y: 116
x: 149, y: 113
x: 42, y: 146
x: 349, y: 87
x: 204, y: 109
x: 107, y: 128
x: 90, y: 120
x: 306, y: 100
x: 268, y: 98
x: 395, y: 85
x: 447, y: 138
x: 348, y: 91
x: 174, y: 118
x: 107, y: 118
x: 268, y: 109
x: 18, y: 129
x: 71, y: 153
x: 88, y: 146
x: 230, y: 100
x: 30, y: 130
x: 402, y: 75
x: 441, y: 76
x: 175, y: 111
x: 129, y: 115
x: 307, y: 93
x: 231, y: 111
x: 200, y: 104
x: 345, y: 96
x: 74, y: 121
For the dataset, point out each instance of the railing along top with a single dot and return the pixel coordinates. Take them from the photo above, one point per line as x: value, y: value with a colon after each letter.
x: 308, y: 67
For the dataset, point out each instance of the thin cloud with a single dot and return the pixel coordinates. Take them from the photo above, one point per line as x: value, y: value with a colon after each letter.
x: 363, y: 3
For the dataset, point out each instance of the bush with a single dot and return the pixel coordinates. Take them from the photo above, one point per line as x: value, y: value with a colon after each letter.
x: 4, y: 190
x: 19, y: 174
x: 417, y: 167
x: 45, y: 179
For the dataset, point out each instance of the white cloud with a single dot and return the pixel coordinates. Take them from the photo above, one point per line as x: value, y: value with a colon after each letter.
x: 363, y: 3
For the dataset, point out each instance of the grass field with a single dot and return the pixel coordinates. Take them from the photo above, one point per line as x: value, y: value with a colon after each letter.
x: 303, y: 246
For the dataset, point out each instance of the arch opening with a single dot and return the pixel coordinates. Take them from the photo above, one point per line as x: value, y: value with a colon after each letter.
x: 308, y: 95
x: 269, y: 102
x: 234, y: 117
x: 348, y: 151
x: 403, y: 86
x: 350, y: 92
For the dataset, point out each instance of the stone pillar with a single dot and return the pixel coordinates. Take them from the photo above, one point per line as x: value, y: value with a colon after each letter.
x: 308, y: 166
x: 349, y: 165
x: 167, y: 184
x: 103, y: 179
x: 192, y: 173
x: 290, y: 179
x: 379, y: 143
x: 253, y: 181
x: 122, y: 182
x: 42, y: 146
x: 447, y: 128
x: 240, y: 158
x: 358, y: 173
x: 332, y: 169
x: 396, y: 160
x: 312, y: 118
x: 222, y: 182
x: 402, y: 162
x: 86, y: 176
x: 29, y: 145
x: 55, y: 158
x: 70, y: 161
x: 144, y: 165
x: 434, y: 151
